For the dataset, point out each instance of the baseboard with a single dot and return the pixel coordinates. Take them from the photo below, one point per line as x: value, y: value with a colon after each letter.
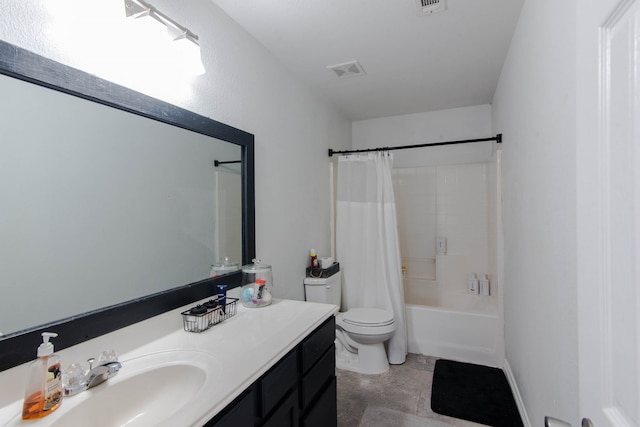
x: 516, y: 393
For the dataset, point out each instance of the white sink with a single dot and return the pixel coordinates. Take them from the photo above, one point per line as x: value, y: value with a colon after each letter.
x: 148, y: 391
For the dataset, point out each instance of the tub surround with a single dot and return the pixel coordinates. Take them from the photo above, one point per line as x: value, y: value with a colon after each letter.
x: 244, y: 348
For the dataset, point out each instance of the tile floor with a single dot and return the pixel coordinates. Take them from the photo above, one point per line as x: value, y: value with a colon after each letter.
x: 401, y: 397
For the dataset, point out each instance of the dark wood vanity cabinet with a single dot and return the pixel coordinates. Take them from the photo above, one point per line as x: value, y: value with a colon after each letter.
x: 317, y: 377
x: 300, y: 390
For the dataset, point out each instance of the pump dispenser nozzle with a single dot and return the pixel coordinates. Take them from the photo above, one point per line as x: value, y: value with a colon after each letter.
x: 46, y: 348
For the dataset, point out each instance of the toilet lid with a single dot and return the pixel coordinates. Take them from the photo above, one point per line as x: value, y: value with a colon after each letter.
x: 368, y: 317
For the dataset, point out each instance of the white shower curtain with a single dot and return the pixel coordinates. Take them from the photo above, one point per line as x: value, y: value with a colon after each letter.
x: 367, y: 241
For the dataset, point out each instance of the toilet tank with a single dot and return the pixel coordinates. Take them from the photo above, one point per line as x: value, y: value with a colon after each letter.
x: 325, y: 290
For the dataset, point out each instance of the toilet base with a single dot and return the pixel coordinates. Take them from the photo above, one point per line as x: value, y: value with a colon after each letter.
x: 370, y: 359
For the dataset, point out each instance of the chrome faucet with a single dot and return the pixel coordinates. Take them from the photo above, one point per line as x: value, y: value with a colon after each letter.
x: 95, y: 376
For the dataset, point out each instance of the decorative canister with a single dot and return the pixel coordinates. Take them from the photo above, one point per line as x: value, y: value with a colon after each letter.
x: 257, y: 283
x: 224, y: 266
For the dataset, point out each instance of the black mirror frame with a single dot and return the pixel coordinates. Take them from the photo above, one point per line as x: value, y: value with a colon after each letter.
x: 17, y: 348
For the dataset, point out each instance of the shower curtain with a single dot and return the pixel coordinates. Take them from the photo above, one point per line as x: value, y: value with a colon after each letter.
x: 367, y: 241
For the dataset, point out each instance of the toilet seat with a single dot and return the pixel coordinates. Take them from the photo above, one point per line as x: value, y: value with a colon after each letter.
x: 369, y: 322
x: 367, y: 317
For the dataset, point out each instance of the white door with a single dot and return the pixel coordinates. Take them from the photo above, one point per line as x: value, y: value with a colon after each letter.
x: 608, y: 218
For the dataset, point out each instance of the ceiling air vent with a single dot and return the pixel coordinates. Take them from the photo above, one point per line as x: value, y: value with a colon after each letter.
x: 348, y: 69
x: 428, y: 7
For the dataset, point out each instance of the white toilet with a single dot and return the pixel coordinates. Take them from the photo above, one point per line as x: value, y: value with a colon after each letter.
x: 360, y: 332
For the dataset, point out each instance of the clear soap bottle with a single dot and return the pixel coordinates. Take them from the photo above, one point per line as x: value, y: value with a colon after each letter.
x: 43, y: 394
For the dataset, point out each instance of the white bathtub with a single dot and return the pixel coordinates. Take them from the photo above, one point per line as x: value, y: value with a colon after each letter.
x: 466, y: 329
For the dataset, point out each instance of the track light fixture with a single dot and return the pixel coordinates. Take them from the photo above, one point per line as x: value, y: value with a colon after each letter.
x: 182, y: 35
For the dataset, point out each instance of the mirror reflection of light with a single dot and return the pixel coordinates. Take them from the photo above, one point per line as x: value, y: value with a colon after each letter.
x: 138, y: 53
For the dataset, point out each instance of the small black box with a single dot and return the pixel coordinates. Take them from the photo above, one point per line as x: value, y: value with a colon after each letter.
x: 321, y: 273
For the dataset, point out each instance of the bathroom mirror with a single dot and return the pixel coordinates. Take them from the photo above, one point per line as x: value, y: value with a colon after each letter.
x: 115, y: 204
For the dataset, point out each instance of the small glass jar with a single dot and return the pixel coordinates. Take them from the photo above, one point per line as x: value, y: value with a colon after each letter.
x: 224, y: 266
x: 257, y: 283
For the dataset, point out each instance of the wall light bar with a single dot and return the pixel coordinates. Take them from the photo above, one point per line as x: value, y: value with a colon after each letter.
x: 178, y: 33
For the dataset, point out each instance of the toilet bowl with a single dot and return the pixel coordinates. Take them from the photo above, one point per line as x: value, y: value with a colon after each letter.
x: 360, y: 332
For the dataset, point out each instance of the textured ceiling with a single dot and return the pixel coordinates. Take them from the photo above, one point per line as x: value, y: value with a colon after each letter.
x: 412, y: 63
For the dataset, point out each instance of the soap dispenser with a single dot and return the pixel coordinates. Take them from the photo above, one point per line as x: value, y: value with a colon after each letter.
x: 473, y: 285
x: 484, y: 285
x: 43, y: 394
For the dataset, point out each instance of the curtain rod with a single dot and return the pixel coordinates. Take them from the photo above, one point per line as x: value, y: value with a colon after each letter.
x: 217, y: 163
x: 497, y: 138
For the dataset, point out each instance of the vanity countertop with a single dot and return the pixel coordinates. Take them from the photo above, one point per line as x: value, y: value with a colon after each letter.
x: 241, y: 349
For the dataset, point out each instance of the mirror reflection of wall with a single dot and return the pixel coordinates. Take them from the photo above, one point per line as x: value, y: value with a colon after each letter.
x: 101, y: 206
x: 228, y: 205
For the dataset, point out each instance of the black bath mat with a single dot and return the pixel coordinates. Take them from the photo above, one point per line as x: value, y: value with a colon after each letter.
x: 474, y: 393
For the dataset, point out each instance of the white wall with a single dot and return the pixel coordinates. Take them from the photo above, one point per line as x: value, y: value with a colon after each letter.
x: 424, y: 128
x: 534, y: 107
x: 245, y: 87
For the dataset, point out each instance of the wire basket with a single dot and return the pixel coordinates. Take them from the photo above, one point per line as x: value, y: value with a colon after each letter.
x: 202, y: 317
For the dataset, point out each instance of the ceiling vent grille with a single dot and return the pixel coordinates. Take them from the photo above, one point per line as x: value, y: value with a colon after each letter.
x: 348, y: 69
x: 428, y: 7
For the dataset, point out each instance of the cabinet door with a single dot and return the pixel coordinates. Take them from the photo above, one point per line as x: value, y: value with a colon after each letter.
x: 287, y: 413
x: 277, y: 382
x: 238, y: 414
x: 318, y: 376
x: 317, y: 343
x: 325, y: 411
